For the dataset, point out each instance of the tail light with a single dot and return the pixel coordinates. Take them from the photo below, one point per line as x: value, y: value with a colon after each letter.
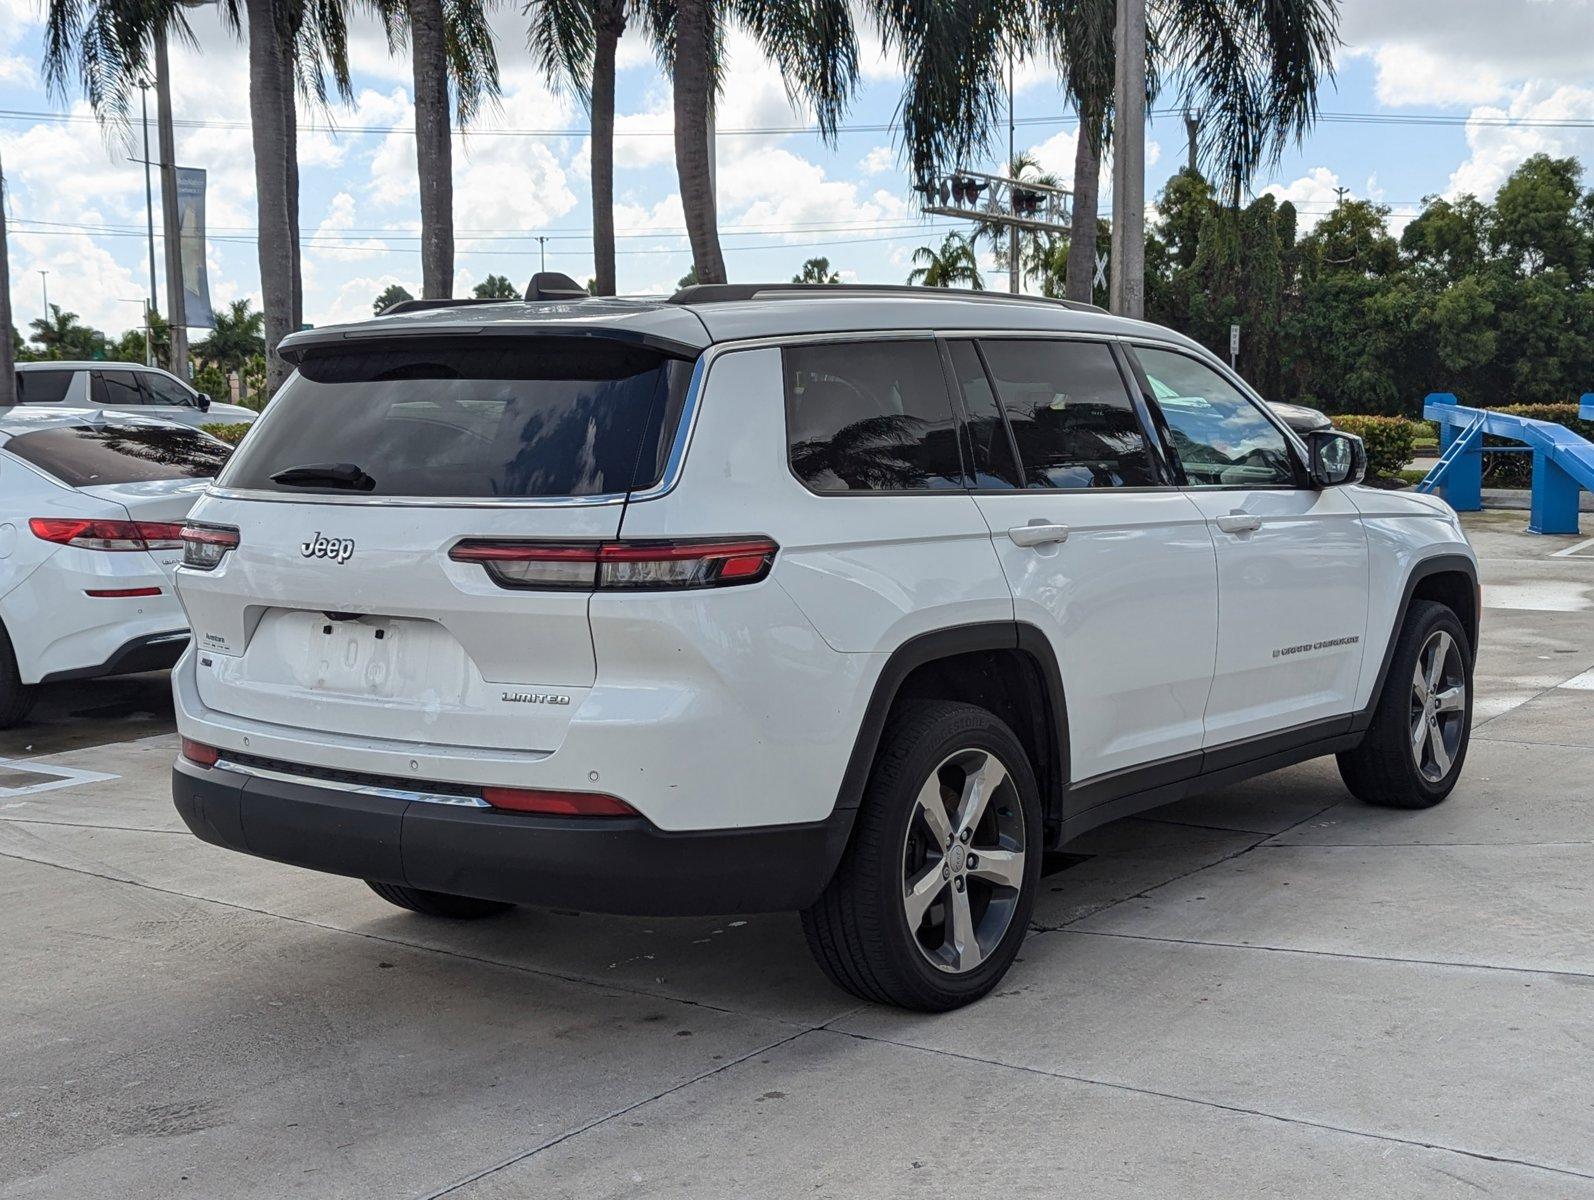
x: 557, y: 804
x: 198, y: 752
x: 634, y: 566
x: 204, y: 545
x: 89, y: 534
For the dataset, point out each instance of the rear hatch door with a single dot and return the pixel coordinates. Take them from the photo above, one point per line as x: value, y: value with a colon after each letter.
x: 340, y: 609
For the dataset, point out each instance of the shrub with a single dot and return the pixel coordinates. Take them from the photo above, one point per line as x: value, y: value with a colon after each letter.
x: 1390, y: 441
x: 228, y: 433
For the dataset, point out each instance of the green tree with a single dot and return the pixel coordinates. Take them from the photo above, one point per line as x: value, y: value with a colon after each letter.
x: 496, y: 287
x: 393, y: 293
x: 816, y: 270
x: 62, y: 337
x: 953, y: 264
x: 237, y: 336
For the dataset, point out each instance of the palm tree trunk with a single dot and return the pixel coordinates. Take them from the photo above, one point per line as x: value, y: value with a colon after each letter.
x: 434, y: 152
x: 1082, y: 231
x: 269, y: 107
x: 8, y: 371
x: 290, y: 152
x: 693, y: 35
x: 610, y: 24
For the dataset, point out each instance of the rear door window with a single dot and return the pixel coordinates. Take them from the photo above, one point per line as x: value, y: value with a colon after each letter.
x: 117, y: 389
x: 870, y: 417
x: 483, y: 417
x: 85, y: 455
x: 1071, y: 415
x: 43, y: 387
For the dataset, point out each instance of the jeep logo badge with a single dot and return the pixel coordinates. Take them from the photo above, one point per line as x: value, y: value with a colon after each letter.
x: 337, y: 549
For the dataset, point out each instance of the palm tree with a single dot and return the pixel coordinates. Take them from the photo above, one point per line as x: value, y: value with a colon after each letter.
x: 811, y: 42
x: 816, y: 270
x: 61, y: 335
x: 450, y: 42
x: 953, y: 265
x: 1252, y: 67
x: 496, y: 287
x: 236, y: 337
x: 393, y: 293
x: 575, y: 42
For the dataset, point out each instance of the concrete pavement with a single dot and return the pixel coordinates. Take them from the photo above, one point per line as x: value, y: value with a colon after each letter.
x: 1270, y: 991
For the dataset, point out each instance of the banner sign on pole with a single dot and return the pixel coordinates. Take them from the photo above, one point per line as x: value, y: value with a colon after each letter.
x: 191, y: 247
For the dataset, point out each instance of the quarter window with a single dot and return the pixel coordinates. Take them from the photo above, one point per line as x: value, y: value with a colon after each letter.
x: 1221, y: 437
x: 1072, y: 419
x: 43, y: 387
x: 870, y: 417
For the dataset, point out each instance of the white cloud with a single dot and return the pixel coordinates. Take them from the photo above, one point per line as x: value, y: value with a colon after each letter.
x: 1437, y: 52
x: 878, y: 161
x: 352, y: 301
x: 16, y: 69
x: 332, y: 237
x: 1496, y: 150
x: 775, y: 189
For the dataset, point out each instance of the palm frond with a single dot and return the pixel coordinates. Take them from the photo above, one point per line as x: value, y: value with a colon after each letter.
x: 815, y: 47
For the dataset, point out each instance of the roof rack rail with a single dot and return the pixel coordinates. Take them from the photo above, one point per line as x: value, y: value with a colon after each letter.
x: 721, y: 293
x: 406, y: 306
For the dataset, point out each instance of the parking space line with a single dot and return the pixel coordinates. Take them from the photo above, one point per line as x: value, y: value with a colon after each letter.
x: 1574, y: 551
x: 59, y: 777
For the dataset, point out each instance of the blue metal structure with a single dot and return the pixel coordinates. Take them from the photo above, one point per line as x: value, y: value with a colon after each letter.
x: 1563, y: 462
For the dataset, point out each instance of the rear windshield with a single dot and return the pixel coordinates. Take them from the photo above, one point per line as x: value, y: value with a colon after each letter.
x: 84, y: 455
x: 487, y: 416
x: 42, y: 387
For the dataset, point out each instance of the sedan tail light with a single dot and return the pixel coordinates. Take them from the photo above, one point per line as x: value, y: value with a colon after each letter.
x: 89, y: 534
x: 204, y: 545
x: 634, y: 566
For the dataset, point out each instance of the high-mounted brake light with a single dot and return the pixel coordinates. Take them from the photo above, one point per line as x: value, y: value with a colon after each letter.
x: 89, y: 534
x: 557, y: 804
x: 637, y: 566
x: 204, y: 545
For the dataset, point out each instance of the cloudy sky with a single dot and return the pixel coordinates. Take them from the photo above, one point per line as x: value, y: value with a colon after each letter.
x: 1508, y: 77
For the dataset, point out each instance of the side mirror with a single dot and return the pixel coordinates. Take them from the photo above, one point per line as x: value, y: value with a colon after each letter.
x: 1336, y: 458
x: 204, y: 402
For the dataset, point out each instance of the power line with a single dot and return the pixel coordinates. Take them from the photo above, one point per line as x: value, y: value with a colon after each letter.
x: 1352, y: 118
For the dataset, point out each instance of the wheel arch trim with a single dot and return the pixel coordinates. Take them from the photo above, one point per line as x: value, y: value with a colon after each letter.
x: 1425, y: 568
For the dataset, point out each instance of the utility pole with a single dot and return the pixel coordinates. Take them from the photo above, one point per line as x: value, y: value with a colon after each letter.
x: 8, y: 365
x: 542, y: 244
x: 176, y: 312
x: 44, y: 286
x: 1012, y: 170
x: 1192, y: 130
x: 1128, y: 290
x: 1342, y: 193
x: 149, y: 215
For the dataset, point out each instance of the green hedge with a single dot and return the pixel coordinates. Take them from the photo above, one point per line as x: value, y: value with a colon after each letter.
x: 227, y: 433
x: 1391, y: 442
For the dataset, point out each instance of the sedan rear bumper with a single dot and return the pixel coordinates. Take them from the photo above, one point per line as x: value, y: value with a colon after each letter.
x: 606, y: 865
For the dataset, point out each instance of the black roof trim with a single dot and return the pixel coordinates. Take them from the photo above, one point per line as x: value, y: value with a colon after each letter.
x: 722, y: 293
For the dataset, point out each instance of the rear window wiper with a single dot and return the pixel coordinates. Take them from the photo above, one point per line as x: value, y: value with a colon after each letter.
x: 343, y: 475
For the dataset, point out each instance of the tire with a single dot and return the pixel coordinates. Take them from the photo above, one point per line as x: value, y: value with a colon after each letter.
x: 1391, y: 768
x: 16, y: 697
x: 859, y: 929
x: 438, y: 904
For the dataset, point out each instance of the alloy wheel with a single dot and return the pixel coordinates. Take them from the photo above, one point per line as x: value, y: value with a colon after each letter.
x: 963, y: 861
x: 1438, y: 706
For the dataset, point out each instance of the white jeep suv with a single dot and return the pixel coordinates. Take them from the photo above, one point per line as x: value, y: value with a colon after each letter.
x: 846, y: 600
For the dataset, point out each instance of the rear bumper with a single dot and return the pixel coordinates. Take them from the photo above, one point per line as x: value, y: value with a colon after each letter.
x: 151, y: 652
x: 625, y: 866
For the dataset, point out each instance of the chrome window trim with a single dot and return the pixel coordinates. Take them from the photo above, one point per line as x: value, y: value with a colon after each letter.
x: 356, y: 789
x: 260, y: 494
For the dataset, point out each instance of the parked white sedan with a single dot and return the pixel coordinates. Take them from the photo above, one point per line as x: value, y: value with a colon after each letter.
x: 91, y: 505
x: 125, y: 387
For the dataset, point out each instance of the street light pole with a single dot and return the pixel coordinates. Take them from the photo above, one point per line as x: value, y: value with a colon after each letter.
x: 44, y: 285
x: 176, y: 312
x: 1128, y: 288
x: 149, y: 214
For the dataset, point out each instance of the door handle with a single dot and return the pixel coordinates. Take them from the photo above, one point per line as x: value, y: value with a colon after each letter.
x: 1239, y: 522
x: 1038, y: 533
